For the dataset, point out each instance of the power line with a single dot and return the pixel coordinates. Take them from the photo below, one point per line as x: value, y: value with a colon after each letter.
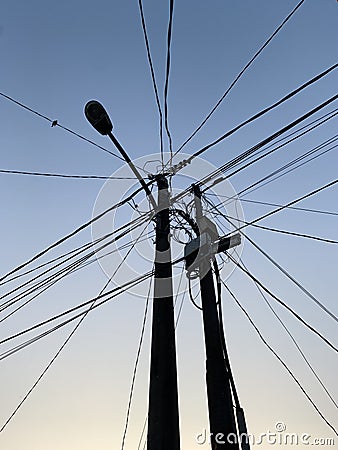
x: 256, y: 149
x: 59, y: 175
x: 312, y: 297
x: 317, y: 211
x: 239, y: 76
x: 145, y: 34
x: 112, y: 294
x: 55, y: 123
x: 290, y: 233
x: 302, y: 288
x: 264, y: 111
x: 278, y: 300
x: 64, y: 343
x: 277, y: 230
x: 45, y: 284
x: 244, y: 155
x: 316, y: 191
x: 292, y: 339
x: 135, y: 367
x: 76, y: 231
x: 176, y: 324
x: 138, y: 222
x: 277, y: 174
x: 293, y: 233
x: 166, y: 85
x: 280, y: 360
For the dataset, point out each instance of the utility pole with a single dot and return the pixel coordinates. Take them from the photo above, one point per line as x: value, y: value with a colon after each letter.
x: 223, y: 430
x: 163, y: 417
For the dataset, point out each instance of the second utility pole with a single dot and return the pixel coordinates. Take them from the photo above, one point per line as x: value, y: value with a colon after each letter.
x: 163, y: 417
x: 223, y: 430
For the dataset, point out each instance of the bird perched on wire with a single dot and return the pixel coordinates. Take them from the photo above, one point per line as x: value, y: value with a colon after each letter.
x: 54, y: 123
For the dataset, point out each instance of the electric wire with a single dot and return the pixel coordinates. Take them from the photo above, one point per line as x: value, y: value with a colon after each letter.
x: 136, y: 223
x: 284, y: 304
x: 281, y: 208
x: 73, y: 233
x: 63, y: 345
x: 279, y: 267
x: 59, y: 125
x: 297, y: 208
x: 247, y: 154
x: 281, y: 302
x: 192, y: 297
x: 106, y: 297
x: 136, y: 366
x: 150, y: 62
x: 167, y: 74
x: 61, y: 175
x: 277, y: 230
x: 293, y: 233
x: 276, y: 174
x: 264, y: 111
x: 176, y: 324
x: 54, y: 278
x: 256, y: 149
x: 284, y: 326
x: 234, y: 82
x: 79, y: 249
x: 292, y: 339
x: 280, y: 360
x: 281, y: 172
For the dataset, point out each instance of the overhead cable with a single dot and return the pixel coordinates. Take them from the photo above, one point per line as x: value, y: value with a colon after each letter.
x: 266, y: 43
x: 145, y: 35
x: 261, y: 113
x: 280, y: 360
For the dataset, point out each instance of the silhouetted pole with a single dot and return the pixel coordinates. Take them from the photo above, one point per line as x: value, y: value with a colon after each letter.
x: 221, y: 412
x: 163, y: 417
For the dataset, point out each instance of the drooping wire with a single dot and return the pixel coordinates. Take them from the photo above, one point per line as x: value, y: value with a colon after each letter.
x: 176, y: 324
x: 239, y: 76
x: 244, y: 154
x: 292, y: 338
x: 291, y: 165
x: 166, y: 85
x: 291, y: 278
x: 106, y: 297
x: 293, y: 202
x: 264, y: 111
x: 296, y: 208
x: 135, y: 366
x: 73, y: 233
x: 103, y: 297
x: 277, y: 230
x: 136, y: 223
x: 69, y: 337
x: 60, y: 126
x: 145, y: 34
x: 61, y: 175
x: 281, y: 302
x: 45, y: 284
x: 280, y: 360
x: 257, y: 149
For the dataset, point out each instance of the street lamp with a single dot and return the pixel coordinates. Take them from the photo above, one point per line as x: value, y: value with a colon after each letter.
x: 98, y: 117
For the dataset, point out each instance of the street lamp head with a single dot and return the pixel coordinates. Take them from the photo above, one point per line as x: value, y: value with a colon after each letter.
x: 97, y: 116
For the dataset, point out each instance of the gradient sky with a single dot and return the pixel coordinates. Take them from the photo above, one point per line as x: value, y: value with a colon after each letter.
x: 55, y: 56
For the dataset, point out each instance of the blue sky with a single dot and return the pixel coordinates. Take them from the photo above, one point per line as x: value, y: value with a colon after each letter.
x: 55, y: 56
